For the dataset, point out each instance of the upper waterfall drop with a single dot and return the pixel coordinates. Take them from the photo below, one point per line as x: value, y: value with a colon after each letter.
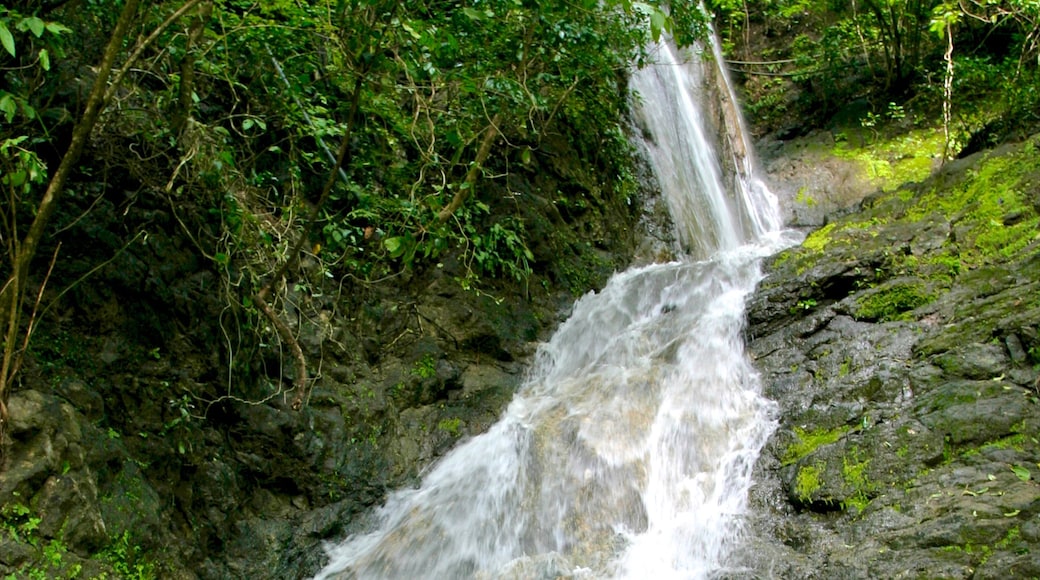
x: 628, y: 451
x: 683, y: 140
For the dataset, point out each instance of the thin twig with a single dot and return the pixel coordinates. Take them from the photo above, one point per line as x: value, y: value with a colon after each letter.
x: 32, y: 317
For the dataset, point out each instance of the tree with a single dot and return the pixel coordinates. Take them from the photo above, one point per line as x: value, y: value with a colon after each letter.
x: 21, y: 251
x: 426, y: 99
x: 901, y: 26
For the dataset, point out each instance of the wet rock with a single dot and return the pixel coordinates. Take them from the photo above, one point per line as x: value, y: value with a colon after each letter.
x: 908, y: 406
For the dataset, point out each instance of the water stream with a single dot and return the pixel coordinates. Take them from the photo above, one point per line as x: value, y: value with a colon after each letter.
x: 628, y: 451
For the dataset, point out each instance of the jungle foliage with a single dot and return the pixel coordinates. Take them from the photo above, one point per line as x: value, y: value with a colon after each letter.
x: 977, y: 59
x: 356, y: 135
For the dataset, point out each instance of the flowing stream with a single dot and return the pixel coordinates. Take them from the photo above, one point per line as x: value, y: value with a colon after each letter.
x: 628, y: 451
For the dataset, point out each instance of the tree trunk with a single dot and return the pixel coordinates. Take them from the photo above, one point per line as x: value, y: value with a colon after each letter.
x: 13, y: 290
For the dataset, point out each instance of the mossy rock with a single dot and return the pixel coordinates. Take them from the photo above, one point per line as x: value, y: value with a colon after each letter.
x: 892, y: 301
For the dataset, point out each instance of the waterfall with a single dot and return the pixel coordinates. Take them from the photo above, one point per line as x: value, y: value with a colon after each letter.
x: 628, y: 451
x: 731, y: 205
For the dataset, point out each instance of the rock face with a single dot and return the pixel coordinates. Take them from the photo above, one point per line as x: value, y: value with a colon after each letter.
x: 901, y: 343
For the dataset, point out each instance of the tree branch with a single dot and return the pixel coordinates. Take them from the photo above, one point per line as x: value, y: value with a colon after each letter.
x: 474, y: 170
x: 11, y: 295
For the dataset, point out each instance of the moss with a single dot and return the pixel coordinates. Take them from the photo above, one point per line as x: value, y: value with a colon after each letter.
x: 782, y: 257
x: 945, y: 266
x: 1017, y: 442
x: 845, y: 367
x: 807, y: 482
x: 1009, y: 539
x: 888, y: 162
x: 809, y: 441
x: 861, y: 488
x: 450, y: 426
x: 819, y: 239
x: 425, y: 368
x: 803, y: 197
x: 869, y: 225
x: 892, y: 302
x: 990, y: 207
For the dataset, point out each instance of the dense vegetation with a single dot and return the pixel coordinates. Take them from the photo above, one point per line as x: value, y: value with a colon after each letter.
x: 349, y: 133
x: 191, y: 188
x: 974, y: 61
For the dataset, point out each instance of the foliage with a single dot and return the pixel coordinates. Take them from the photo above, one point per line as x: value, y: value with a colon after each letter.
x: 126, y: 559
x: 425, y: 367
x: 20, y: 524
x: 892, y: 51
x: 233, y: 110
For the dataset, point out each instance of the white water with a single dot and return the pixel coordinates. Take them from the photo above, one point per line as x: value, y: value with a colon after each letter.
x: 628, y: 452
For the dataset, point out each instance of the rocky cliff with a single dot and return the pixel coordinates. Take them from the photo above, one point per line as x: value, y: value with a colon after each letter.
x: 900, y: 341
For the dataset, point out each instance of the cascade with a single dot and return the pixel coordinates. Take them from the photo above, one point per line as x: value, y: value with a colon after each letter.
x: 628, y: 451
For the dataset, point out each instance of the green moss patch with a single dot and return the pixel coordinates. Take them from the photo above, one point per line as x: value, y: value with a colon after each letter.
x: 860, y: 488
x: 817, y: 240
x: 889, y: 162
x: 990, y: 207
x: 808, y: 441
x: 892, y: 302
x: 808, y: 482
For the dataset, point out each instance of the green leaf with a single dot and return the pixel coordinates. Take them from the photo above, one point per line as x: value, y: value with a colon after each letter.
x: 45, y: 59
x: 8, y: 106
x: 473, y: 14
x: 395, y: 246
x: 6, y: 39
x: 13, y: 142
x: 658, y: 23
x: 36, y: 26
x: 1021, y: 472
x: 55, y: 28
x: 16, y: 178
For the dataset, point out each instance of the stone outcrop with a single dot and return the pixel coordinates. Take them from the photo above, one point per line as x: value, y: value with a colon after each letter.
x: 901, y: 343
